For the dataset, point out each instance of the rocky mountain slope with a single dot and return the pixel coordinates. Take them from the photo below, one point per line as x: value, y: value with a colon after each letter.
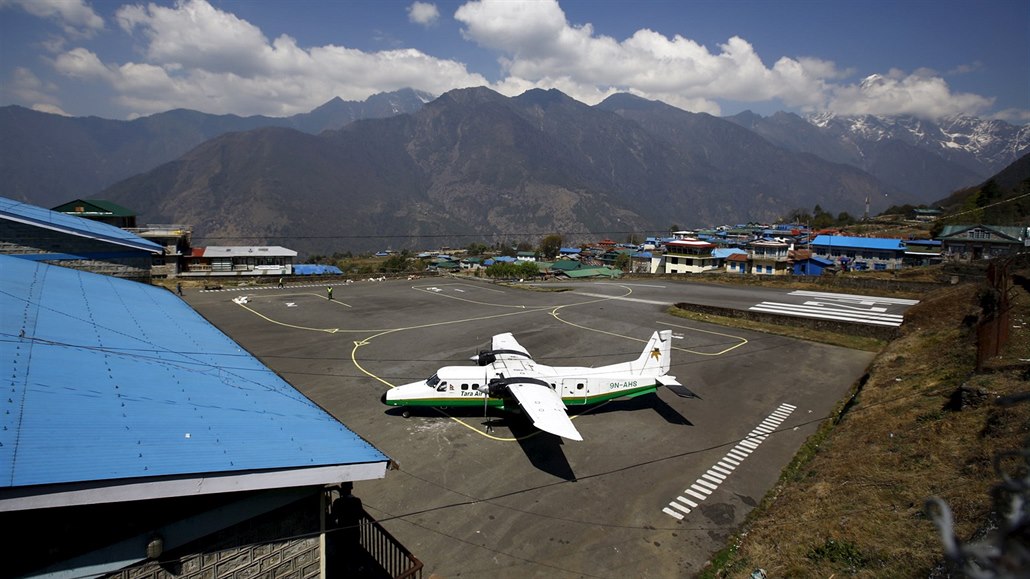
x: 476, y: 165
x: 49, y: 159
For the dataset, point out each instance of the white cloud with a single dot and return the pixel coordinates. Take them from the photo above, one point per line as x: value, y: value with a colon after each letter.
x: 424, y: 13
x: 75, y: 16
x: 540, y: 48
x: 897, y: 93
x: 197, y: 56
x: 25, y: 87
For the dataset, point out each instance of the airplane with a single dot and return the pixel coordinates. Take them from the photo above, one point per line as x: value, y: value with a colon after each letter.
x: 506, y: 377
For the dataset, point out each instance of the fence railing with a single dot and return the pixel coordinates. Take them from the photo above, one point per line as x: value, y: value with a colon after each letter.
x: 388, y: 552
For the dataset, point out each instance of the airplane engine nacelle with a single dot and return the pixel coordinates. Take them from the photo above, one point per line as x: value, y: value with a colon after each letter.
x: 484, y: 358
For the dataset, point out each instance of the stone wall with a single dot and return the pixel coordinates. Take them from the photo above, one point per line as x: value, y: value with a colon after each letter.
x: 282, y: 543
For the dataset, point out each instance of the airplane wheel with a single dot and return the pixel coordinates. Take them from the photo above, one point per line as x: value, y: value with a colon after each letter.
x: 406, y: 414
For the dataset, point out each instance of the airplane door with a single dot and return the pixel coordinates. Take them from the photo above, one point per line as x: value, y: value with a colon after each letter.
x: 575, y: 389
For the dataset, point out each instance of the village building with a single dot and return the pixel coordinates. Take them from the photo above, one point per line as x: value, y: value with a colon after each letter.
x: 37, y: 234
x: 979, y: 241
x: 860, y: 253
x: 926, y: 214
x: 922, y: 252
x: 769, y: 257
x: 685, y: 255
x: 804, y: 263
x: 99, y: 210
x: 736, y: 262
x: 472, y: 263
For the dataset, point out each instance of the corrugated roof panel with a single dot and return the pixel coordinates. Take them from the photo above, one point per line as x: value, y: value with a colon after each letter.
x: 25, y: 213
x: 112, y: 379
x: 859, y: 242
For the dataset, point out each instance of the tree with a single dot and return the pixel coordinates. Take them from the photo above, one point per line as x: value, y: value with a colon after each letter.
x: 550, y: 246
x: 622, y: 262
x: 528, y: 269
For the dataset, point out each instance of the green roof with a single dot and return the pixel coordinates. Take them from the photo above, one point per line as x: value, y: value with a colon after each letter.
x: 593, y: 272
x: 94, y: 207
x: 566, y: 265
x: 1015, y: 233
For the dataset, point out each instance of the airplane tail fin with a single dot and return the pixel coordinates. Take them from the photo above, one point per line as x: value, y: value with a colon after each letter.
x: 655, y: 356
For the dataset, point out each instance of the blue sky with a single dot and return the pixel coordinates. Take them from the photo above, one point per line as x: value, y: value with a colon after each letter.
x: 119, y: 59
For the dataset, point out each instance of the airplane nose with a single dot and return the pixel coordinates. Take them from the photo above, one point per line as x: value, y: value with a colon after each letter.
x: 383, y: 399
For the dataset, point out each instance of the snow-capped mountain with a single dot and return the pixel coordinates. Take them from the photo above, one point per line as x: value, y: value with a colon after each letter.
x: 924, y: 158
x: 980, y: 145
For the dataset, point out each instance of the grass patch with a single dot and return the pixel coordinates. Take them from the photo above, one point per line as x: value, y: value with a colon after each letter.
x: 851, y: 501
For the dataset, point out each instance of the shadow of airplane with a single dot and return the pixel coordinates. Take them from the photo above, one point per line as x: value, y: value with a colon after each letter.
x: 648, y: 401
x: 544, y: 450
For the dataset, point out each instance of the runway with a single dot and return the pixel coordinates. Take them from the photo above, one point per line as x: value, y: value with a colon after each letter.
x: 514, y: 502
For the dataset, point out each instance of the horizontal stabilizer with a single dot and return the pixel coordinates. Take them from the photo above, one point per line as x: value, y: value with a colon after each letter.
x: 677, y: 388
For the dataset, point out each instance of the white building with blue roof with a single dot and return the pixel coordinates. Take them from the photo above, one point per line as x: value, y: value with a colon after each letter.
x: 38, y: 234
x: 138, y: 438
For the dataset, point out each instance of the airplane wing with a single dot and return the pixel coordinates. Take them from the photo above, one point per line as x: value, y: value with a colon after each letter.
x: 545, y: 408
x: 506, y: 347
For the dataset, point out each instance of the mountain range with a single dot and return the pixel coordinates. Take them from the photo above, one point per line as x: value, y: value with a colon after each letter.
x: 49, y: 159
x: 405, y: 170
x: 927, y: 159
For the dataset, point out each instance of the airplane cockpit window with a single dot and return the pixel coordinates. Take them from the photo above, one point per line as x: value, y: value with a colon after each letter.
x: 441, y: 387
x: 433, y: 381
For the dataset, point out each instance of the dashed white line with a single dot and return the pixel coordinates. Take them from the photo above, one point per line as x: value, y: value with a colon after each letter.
x: 709, y: 482
x: 687, y: 502
x: 676, y: 505
x: 695, y: 494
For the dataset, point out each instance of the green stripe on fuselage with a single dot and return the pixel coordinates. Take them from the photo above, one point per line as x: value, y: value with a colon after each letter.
x: 597, y: 398
x: 448, y: 402
x: 467, y: 402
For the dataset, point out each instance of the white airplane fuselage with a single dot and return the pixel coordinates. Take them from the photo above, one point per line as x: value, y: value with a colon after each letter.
x: 463, y: 385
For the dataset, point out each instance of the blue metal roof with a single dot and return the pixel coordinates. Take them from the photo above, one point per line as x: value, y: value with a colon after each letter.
x: 315, y: 269
x: 859, y: 242
x: 112, y: 379
x: 724, y: 252
x: 31, y: 214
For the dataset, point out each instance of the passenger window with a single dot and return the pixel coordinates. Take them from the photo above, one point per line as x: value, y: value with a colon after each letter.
x: 579, y: 386
x: 464, y: 386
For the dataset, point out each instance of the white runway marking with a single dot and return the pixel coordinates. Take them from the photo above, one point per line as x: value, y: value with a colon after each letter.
x: 843, y: 307
x: 709, y: 482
